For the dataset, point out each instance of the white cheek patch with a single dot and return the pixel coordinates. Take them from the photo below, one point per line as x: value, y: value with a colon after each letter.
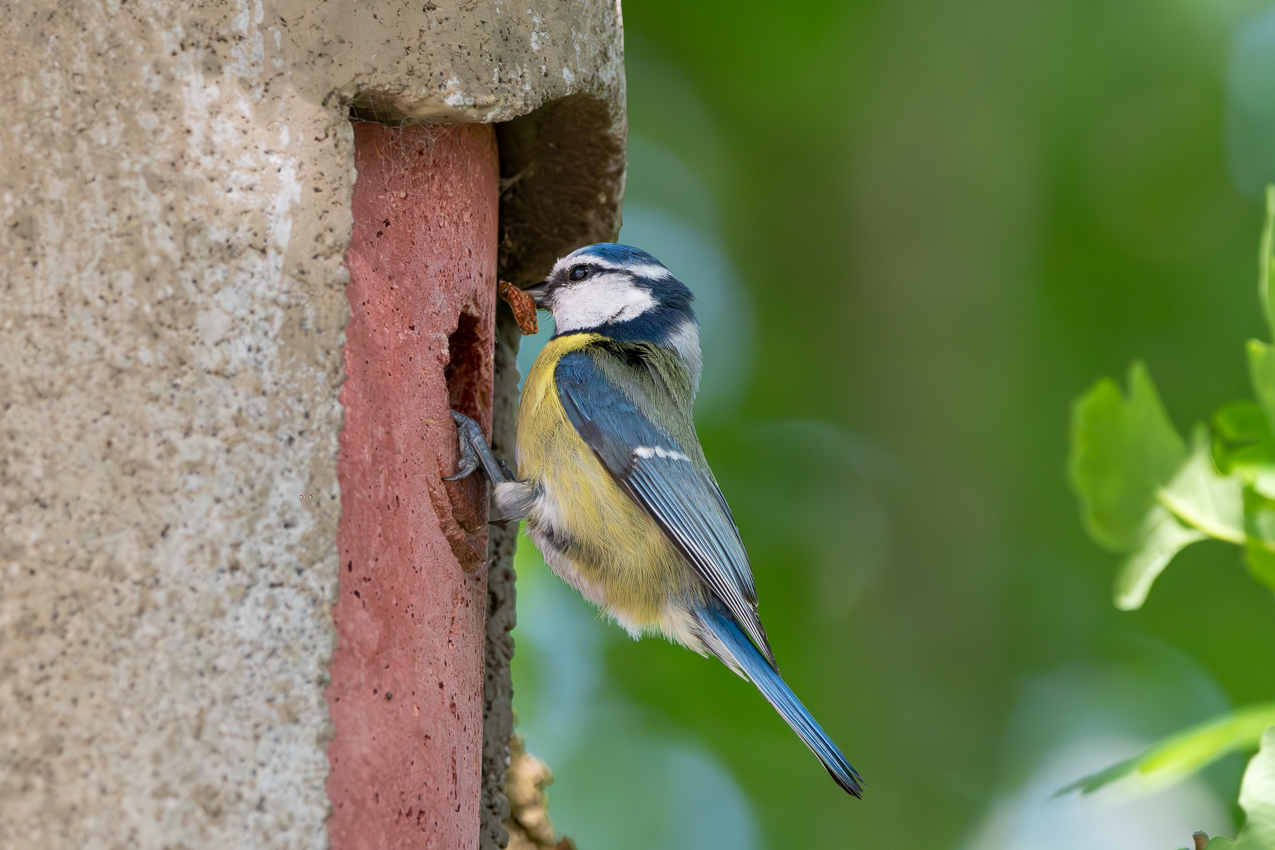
x: 607, y: 298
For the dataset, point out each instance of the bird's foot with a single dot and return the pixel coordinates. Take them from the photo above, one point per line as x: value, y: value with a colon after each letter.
x: 475, y: 453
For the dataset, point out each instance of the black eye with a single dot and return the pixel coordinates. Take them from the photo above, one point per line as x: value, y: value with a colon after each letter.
x: 578, y: 273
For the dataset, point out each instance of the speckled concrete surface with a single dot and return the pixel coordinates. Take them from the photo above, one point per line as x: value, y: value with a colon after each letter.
x: 175, y: 185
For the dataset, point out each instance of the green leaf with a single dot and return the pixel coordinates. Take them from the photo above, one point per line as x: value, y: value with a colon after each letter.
x: 1257, y: 791
x: 1203, y: 498
x: 1183, y: 753
x: 1261, y: 374
x: 1122, y: 452
x: 1243, y: 444
x: 1257, y: 798
x: 1259, y: 523
x: 1164, y: 538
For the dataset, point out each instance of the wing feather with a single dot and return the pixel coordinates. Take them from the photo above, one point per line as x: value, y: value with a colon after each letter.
x: 664, y: 478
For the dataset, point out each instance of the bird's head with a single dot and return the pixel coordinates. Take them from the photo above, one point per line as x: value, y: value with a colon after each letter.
x: 603, y: 286
x: 621, y: 293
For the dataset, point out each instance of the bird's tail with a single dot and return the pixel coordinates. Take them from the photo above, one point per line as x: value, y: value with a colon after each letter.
x: 727, y: 640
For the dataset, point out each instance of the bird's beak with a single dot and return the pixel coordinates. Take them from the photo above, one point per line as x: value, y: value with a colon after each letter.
x: 537, y: 293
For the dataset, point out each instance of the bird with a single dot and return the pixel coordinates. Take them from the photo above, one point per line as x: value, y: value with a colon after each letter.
x: 613, y: 485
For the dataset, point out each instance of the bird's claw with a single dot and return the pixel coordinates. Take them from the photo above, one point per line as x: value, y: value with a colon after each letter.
x: 474, y: 452
x: 467, y: 431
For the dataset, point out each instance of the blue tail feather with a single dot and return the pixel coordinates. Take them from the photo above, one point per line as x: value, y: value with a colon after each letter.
x: 718, y: 621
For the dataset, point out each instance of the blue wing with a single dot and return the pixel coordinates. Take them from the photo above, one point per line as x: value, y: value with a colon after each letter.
x: 659, y: 474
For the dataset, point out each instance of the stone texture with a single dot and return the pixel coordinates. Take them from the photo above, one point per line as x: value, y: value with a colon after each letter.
x: 407, y: 678
x: 170, y: 323
x: 502, y: 611
x: 175, y: 189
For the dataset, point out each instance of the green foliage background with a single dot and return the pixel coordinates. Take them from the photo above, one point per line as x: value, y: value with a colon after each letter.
x: 949, y: 218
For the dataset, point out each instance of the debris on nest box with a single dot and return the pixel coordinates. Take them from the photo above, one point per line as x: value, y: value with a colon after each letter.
x: 523, y: 305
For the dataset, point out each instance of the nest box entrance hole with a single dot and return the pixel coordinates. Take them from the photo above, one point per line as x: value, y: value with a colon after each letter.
x: 464, y: 372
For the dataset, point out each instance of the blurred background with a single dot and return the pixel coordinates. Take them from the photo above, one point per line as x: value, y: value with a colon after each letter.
x: 916, y: 231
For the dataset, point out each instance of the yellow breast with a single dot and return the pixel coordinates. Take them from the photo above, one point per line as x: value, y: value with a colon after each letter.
x: 588, y: 529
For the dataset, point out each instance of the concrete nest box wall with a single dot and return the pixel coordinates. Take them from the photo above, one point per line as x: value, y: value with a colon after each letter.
x: 208, y: 584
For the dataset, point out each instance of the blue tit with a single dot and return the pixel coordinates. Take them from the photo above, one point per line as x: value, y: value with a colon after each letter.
x: 612, y: 481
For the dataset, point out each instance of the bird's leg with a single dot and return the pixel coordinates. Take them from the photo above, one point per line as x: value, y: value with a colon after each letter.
x: 474, y: 452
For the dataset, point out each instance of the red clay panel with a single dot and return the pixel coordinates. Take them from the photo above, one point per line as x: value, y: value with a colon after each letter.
x: 406, y: 694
